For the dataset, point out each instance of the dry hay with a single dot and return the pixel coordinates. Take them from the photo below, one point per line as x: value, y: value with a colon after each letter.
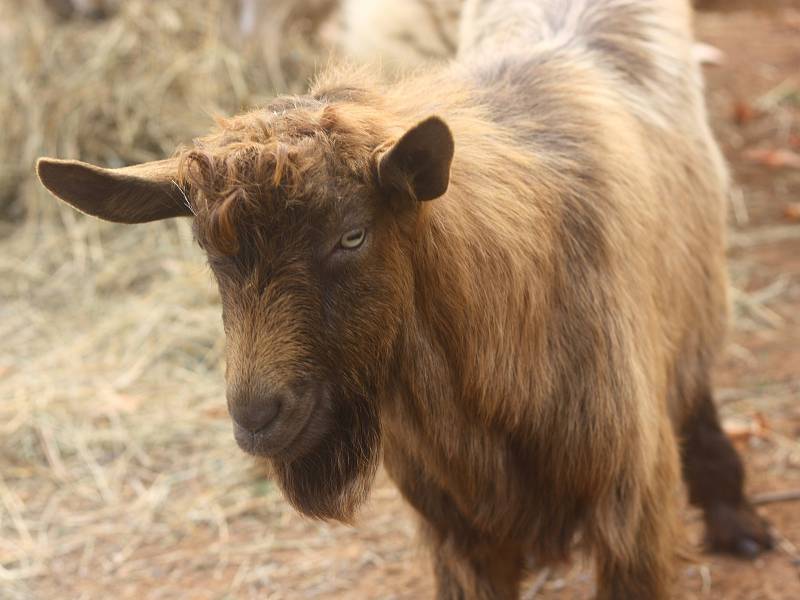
x: 129, y: 87
x: 115, y: 445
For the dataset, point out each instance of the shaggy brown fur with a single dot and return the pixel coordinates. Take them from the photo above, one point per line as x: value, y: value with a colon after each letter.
x: 529, y: 349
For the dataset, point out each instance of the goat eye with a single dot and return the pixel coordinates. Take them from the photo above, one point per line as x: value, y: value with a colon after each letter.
x: 353, y: 239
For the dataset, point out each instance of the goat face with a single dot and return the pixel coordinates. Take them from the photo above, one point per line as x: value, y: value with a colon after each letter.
x: 308, y: 216
x: 312, y: 299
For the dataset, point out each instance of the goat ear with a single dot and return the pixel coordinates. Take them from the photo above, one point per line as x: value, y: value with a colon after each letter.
x: 136, y: 194
x: 419, y: 162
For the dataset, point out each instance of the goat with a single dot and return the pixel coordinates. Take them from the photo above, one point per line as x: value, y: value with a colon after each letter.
x: 507, y: 274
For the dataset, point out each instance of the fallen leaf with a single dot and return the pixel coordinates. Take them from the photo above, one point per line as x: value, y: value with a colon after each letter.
x: 742, y: 429
x: 774, y: 158
x: 791, y: 212
x: 743, y: 112
x: 737, y: 430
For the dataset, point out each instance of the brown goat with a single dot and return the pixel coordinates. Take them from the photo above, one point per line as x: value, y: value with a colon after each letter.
x: 508, y: 275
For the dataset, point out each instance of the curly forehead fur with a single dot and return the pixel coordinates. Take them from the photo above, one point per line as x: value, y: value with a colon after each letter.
x: 293, y: 151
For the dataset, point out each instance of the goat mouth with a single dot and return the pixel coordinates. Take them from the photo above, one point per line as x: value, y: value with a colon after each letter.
x: 303, y: 437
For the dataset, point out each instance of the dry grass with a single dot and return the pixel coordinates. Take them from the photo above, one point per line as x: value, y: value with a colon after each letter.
x: 130, y: 87
x: 114, y: 441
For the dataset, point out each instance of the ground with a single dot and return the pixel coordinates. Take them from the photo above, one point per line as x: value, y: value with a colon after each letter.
x: 118, y: 473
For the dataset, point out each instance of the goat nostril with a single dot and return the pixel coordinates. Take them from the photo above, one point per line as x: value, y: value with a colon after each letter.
x: 256, y: 414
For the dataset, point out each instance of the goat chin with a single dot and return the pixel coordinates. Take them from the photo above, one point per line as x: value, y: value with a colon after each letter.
x: 331, y: 480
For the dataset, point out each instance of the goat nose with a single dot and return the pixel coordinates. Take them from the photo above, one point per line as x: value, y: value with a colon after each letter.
x: 254, y: 411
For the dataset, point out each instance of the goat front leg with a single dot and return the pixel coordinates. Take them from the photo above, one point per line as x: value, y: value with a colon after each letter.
x: 643, y: 568
x: 468, y: 565
x: 478, y: 571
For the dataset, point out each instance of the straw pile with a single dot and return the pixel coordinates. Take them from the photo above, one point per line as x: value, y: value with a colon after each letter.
x: 114, y: 440
x: 129, y: 87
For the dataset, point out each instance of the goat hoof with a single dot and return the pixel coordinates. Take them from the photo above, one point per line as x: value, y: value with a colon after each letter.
x: 747, y: 548
x: 738, y: 531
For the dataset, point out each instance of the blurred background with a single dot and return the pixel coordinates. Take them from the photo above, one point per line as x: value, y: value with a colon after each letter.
x: 118, y: 471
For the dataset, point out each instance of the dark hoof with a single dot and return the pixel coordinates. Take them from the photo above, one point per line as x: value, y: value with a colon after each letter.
x: 737, y: 530
x: 747, y: 548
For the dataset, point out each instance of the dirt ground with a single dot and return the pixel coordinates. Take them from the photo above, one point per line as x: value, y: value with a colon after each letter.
x: 176, y: 511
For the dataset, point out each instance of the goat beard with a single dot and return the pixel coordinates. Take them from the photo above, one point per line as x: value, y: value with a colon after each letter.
x: 333, y: 480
